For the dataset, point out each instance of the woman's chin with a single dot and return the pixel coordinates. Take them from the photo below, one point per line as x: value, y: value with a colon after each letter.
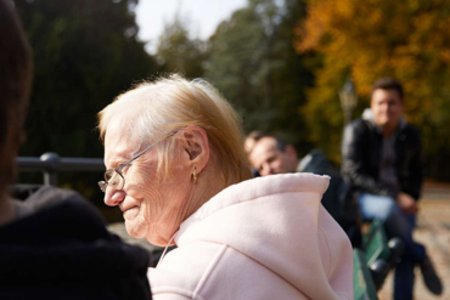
x: 141, y: 230
x: 157, y: 241
x: 133, y: 230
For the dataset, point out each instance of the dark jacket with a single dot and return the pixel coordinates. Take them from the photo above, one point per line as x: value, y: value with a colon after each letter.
x: 337, y: 198
x: 361, y: 154
x: 62, y: 250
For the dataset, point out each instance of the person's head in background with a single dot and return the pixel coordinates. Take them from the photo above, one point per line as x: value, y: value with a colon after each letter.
x: 271, y: 155
x: 386, y: 104
x: 15, y: 85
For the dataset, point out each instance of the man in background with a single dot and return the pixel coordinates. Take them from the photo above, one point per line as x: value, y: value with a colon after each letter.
x: 269, y: 154
x: 382, y: 163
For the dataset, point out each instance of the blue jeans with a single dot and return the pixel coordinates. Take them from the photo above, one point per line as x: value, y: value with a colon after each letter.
x: 397, y: 224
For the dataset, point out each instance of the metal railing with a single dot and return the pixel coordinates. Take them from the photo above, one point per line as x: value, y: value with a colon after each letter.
x: 50, y: 164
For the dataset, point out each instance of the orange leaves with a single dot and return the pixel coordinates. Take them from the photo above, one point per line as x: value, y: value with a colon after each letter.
x: 378, y: 37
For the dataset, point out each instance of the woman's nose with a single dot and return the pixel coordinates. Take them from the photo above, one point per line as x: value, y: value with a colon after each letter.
x: 113, y: 197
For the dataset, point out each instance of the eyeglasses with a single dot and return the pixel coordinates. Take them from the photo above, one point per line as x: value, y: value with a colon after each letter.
x: 115, y: 178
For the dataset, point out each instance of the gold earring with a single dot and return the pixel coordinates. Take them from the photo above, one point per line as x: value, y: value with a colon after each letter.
x: 194, y: 175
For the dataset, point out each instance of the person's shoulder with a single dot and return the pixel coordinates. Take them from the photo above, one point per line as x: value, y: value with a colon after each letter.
x: 205, y: 270
x: 360, y: 124
x: 66, y: 232
x: 357, y: 127
x: 56, y: 213
x: 181, y: 261
x: 411, y: 129
x: 65, y: 206
x: 47, y: 195
x: 410, y: 134
x: 183, y: 270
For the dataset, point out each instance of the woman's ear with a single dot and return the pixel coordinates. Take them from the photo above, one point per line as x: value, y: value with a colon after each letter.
x: 196, y: 146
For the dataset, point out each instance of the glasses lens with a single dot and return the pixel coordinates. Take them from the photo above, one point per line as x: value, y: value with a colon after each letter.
x: 113, y: 179
x: 102, y: 185
x: 109, y: 174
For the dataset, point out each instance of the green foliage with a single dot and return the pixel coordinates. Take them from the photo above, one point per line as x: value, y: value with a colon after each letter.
x: 85, y: 53
x: 178, y: 53
x: 253, y: 62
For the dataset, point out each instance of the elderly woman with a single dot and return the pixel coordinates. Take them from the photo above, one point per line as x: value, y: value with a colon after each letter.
x: 177, y: 169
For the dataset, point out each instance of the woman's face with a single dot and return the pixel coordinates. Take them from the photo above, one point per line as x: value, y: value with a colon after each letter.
x: 151, y: 205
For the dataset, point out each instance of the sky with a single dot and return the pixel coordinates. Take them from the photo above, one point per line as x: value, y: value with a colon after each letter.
x: 203, y: 16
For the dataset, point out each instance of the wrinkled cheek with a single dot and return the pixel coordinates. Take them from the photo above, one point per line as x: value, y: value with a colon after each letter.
x: 152, y: 212
x: 136, y: 227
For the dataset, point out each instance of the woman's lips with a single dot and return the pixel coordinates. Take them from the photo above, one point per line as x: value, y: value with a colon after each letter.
x: 130, y: 212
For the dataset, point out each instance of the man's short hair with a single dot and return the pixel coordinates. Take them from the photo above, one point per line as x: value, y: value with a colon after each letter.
x: 257, y: 135
x: 388, y: 83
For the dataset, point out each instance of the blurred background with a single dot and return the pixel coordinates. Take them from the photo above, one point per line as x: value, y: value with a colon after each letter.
x: 299, y: 68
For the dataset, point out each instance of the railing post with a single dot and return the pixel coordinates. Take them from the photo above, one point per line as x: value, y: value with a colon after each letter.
x: 51, y: 160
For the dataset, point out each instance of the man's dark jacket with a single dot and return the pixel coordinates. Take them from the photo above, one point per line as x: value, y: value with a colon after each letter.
x: 63, y: 251
x: 361, y: 155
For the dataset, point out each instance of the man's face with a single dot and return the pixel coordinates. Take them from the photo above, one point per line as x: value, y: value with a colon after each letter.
x: 387, y: 108
x: 268, y: 159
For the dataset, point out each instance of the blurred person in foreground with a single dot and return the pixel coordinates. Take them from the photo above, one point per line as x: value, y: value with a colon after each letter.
x: 54, y: 245
x: 382, y: 162
x: 270, y: 154
x: 178, y: 171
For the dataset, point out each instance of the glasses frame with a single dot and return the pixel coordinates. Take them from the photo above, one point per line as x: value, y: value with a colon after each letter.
x: 103, y: 184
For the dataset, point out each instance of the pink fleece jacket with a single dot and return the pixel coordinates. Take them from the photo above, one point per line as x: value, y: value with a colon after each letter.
x: 264, y: 238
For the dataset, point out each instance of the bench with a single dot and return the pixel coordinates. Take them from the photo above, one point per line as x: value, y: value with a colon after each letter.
x: 381, y: 254
x: 375, y: 243
x: 363, y: 285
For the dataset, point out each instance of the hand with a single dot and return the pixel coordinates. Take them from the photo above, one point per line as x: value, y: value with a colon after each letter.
x: 407, y: 204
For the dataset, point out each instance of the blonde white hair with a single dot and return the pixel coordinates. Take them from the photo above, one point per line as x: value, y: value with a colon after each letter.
x: 153, y: 110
